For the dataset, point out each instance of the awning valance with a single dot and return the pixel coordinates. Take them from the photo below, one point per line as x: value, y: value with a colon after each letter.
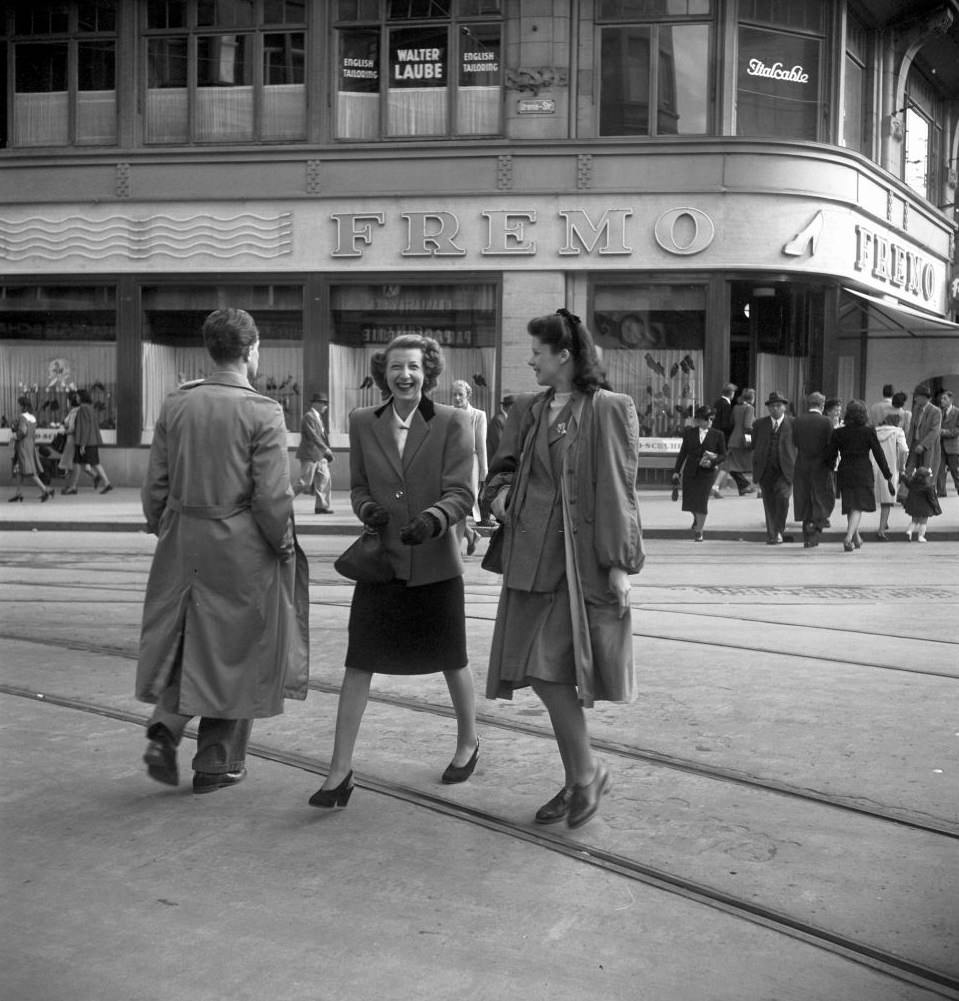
x: 888, y: 319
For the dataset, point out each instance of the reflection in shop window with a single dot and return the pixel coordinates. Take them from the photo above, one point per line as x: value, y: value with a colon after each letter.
x: 367, y: 317
x: 53, y: 340
x: 652, y: 338
x: 173, y: 351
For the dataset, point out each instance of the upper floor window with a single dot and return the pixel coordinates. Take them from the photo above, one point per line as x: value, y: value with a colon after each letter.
x: 655, y: 67
x: 855, y: 88
x: 779, y: 69
x: 923, y: 137
x: 63, y: 55
x: 407, y: 68
x: 225, y: 70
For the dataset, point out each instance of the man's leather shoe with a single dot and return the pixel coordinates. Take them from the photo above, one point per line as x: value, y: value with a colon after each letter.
x: 160, y: 758
x: 211, y: 781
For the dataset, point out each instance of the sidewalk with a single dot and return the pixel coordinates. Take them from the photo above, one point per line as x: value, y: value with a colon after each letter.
x: 730, y: 517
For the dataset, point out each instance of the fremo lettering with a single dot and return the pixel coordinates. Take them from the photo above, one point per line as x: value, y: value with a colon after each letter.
x: 797, y: 74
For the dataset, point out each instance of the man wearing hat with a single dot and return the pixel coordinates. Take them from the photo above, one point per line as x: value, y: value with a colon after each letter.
x: 774, y: 462
x: 923, y: 438
x: 315, y: 455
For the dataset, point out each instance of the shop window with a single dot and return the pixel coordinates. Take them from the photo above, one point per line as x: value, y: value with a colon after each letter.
x: 655, y: 77
x: 462, y: 318
x: 225, y: 71
x: 652, y: 338
x: 53, y: 340
x: 63, y: 57
x: 418, y: 69
x: 173, y: 350
x: 779, y: 69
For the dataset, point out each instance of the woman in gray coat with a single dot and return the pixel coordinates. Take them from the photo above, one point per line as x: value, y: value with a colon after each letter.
x: 563, y: 483
x: 225, y: 619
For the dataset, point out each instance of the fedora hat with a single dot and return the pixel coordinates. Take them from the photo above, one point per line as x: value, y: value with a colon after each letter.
x: 320, y: 398
x: 776, y: 397
x: 922, y: 390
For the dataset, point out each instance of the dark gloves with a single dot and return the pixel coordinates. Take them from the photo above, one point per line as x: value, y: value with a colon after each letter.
x: 892, y: 489
x: 374, y: 515
x: 424, y: 526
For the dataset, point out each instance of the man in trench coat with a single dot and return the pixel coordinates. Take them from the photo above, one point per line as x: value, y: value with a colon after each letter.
x: 925, y: 447
x: 813, y: 494
x: 225, y: 629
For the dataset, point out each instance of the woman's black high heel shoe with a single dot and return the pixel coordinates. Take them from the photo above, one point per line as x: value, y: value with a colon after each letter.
x: 15, y: 497
x: 339, y: 796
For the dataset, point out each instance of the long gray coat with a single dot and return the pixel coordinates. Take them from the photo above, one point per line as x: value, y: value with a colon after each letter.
x: 228, y: 586
x: 925, y: 447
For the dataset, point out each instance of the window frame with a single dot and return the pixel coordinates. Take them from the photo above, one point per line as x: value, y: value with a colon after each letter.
x: 74, y: 38
x: 655, y: 23
x: 192, y: 32
x: 457, y: 26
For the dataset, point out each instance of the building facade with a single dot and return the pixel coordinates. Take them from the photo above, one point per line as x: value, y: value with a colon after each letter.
x: 761, y: 191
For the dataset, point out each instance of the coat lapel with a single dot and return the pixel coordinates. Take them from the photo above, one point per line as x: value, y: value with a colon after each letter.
x: 383, y: 435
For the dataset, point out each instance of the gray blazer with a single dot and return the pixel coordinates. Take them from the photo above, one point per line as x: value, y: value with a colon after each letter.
x: 434, y: 475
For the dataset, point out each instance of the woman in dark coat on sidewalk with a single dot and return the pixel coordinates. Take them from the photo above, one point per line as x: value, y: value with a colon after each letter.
x: 853, y: 443
x: 702, y: 451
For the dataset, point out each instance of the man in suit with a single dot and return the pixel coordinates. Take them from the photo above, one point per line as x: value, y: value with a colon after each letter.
x: 494, y: 433
x: 949, y: 443
x: 723, y: 422
x: 315, y: 455
x: 774, y: 463
x: 813, y: 495
x: 877, y: 411
x: 923, y: 438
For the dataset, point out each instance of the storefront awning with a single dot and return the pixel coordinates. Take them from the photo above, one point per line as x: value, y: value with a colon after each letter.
x: 894, y: 319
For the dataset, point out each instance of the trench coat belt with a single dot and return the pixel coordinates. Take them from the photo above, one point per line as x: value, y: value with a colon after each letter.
x: 213, y: 512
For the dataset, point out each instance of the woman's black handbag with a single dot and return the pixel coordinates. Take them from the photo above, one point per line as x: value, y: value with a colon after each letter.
x: 493, y: 558
x: 59, y: 442
x: 366, y: 560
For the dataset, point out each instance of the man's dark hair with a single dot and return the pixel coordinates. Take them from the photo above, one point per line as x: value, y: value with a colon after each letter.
x: 228, y: 334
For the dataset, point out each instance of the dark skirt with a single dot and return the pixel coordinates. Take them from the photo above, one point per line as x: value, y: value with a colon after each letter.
x: 696, y: 489
x: 858, y: 498
x: 395, y: 629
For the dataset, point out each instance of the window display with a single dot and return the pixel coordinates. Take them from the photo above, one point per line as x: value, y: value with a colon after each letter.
x: 652, y: 338
x: 367, y: 317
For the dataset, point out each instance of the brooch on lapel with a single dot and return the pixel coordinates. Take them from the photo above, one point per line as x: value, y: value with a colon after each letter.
x: 560, y: 428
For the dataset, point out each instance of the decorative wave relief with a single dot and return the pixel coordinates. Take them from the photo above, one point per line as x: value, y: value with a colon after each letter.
x: 137, y: 239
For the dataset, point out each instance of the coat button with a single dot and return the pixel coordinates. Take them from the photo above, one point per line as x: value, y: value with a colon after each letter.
x: 398, y: 495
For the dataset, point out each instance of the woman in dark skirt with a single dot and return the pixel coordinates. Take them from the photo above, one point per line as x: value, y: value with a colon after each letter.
x: 411, y: 466
x: 702, y: 451
x: 853, y: 443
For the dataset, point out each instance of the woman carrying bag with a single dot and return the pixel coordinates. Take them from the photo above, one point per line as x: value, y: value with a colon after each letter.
x: 563, y: 483
x: 411, y: 464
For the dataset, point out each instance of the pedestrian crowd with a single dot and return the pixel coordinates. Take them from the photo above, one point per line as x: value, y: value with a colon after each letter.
x: 866, y: 457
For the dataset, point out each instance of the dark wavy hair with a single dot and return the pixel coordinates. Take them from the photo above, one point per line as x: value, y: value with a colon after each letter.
x: 228, y: 334
x: 433, y: 363
x: 856, y: 414
x: 563, y: 329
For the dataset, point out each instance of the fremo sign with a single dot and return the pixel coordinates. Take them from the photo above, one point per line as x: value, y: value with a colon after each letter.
x: 510, y: 232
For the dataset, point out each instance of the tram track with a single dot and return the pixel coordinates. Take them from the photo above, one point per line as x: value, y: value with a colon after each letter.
x: 928, y: 825
x: 879, y: 960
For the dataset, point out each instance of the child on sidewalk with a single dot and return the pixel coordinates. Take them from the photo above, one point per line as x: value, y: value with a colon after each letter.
x: 921, y: 502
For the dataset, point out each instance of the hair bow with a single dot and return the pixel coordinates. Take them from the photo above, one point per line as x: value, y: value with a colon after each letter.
x: 567, y: 315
